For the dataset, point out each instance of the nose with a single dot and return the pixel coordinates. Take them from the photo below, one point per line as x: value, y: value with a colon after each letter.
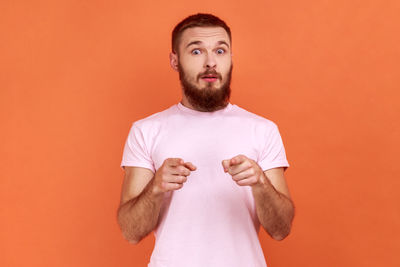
x: 210, y: 62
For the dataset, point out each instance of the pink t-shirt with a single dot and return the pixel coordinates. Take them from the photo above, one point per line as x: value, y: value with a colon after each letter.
x: 211, y: 221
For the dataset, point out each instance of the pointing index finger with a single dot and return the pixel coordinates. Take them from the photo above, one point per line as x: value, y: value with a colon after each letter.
x: 174, y: 162
x: 190, y: 166
x: 237, y: 160
x: 225, y: 164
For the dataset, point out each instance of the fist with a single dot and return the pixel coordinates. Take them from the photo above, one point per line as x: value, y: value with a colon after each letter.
x: 172, y: 175
x: 244, y: 171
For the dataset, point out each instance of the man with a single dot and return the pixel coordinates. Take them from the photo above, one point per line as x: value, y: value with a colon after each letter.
x: 204, y: 174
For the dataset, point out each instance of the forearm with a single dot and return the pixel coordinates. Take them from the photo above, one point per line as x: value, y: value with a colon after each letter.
x: 275, y: 211
x: 138, y: 217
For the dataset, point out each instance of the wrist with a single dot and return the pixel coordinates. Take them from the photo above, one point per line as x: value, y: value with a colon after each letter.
x: 261, y: 183
x: 154, y: 190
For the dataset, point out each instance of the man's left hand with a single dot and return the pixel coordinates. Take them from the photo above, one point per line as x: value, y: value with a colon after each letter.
x: 244, y: 171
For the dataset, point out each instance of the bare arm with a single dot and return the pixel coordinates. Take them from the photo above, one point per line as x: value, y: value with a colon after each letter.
x: 274, y: 207
x: 142, y: 194
x: 139, y: 208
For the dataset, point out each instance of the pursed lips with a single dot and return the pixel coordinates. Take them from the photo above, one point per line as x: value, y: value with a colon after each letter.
x: 210, y: 77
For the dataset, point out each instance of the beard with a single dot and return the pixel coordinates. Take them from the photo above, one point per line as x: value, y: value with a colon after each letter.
x: 208, y: 98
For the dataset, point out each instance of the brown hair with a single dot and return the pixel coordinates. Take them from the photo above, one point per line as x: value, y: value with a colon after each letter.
x: 197, y: 20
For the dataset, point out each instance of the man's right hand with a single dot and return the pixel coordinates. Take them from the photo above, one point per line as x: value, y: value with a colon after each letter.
x: 171, y: 175
x: 142, y: 193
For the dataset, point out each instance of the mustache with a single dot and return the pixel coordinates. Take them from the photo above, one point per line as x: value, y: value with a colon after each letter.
x: 209, y: 72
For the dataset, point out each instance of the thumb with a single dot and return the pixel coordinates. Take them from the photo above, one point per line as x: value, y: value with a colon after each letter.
x: 226, y: 164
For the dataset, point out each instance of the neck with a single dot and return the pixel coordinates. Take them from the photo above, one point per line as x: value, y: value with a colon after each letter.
x: 185, y: 102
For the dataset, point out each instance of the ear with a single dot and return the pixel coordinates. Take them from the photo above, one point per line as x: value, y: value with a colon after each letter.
x: 173, y: 60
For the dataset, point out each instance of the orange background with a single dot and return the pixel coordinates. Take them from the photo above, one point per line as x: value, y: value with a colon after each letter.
x: 75, y: 74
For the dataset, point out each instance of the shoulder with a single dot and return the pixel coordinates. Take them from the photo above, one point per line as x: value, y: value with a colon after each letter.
x: 253, y: 118
x: 156, y: 119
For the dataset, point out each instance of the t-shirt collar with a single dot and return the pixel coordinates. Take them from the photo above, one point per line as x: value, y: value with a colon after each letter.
x: 185, y: 109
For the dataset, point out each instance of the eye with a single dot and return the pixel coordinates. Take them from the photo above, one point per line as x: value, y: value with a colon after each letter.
x: 196, y: 52
x: 220, y: 51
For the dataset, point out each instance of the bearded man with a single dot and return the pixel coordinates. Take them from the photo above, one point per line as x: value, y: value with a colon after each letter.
x: 204, y: 174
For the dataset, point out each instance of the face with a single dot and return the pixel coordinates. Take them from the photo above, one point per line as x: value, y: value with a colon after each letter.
x: 204, y: 63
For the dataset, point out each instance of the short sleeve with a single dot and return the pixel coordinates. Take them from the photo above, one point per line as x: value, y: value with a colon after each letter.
x: 136, y: 152
x: 273, y: 153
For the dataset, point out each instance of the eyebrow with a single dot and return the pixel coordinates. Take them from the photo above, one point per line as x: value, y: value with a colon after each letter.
x: 199, y: 42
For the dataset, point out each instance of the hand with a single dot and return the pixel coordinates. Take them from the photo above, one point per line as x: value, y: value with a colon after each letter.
x: 172, y: 175
x: 244, y: 171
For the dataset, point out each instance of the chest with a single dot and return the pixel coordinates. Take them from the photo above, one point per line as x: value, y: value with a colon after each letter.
x: 205, y: 143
